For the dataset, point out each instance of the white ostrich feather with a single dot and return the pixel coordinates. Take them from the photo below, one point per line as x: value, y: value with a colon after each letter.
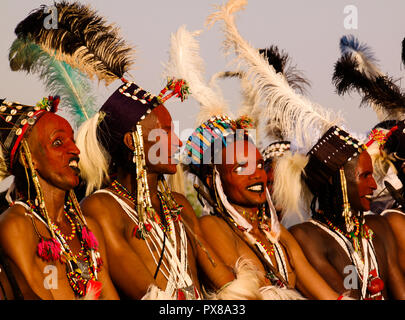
x: 296, y: 116
x: 186, y: 63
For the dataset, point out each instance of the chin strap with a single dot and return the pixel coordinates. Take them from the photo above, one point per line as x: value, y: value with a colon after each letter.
x: 239, y: 220
x: 275, y: 224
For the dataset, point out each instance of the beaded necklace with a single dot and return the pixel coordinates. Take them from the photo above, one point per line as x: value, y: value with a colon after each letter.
x: 122, y: 191
x: 170, y: 209
x: 80, y: 274
x: 260, y: 213
x: 72, y: 223
x: 353, y: 236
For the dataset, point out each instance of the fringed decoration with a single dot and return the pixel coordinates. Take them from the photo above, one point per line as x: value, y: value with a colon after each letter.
x: 49, y: 250
x: 178, y: 88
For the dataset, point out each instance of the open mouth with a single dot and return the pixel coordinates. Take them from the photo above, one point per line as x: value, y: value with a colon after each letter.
x: 257, y: 187
x: 74, y: 164
x: 369, y: 197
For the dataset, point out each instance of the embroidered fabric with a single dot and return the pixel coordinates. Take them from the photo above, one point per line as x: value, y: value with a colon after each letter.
x: 175, y: 270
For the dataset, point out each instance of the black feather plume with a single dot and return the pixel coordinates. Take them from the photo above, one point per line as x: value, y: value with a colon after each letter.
x: 281, y: 63
x: 403, y: 51
x: 381, y: 90
x: 82, y: 39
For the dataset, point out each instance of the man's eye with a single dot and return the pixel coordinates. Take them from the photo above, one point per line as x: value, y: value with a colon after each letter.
x: 238, y: 169
x: 57, y: 143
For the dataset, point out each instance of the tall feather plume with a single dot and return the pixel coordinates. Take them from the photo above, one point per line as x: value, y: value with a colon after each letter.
x: 250, y: 99
x: 362, y: 54
x: 281, y: 62
x: 82, y: 39
x: 186, y: 63
x: 403, y: 51
x: 355, y: 70
x: 60, y: 79
x: 292, y: 113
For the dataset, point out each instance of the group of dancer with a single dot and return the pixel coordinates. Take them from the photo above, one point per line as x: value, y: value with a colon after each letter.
x: 293, y: 206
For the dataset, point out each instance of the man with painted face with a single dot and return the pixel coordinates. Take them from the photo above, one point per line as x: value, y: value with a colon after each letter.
x: 243, y: 222
x: 345, y: 246
x: 45, y: 238
x: 151, y: 255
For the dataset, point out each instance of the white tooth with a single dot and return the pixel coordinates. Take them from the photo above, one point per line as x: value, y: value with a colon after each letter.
x: 255, y: 188
x: 73, y: 163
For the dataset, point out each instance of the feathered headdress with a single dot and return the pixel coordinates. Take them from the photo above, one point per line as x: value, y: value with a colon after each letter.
x: 60, y: 78
x: 82, y: 39
x: 281, y: 63
x: 310, y: 125
x: 357, y: 70
x: 292, y: 112
x: 186, y: 63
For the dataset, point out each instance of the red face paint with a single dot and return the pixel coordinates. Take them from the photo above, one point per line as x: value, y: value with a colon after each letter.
x: 359, y: 197
x: 54, y: 152
x: 161, y: 143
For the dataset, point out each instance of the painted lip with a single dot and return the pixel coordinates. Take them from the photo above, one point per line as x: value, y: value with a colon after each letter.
x: 257, y: 187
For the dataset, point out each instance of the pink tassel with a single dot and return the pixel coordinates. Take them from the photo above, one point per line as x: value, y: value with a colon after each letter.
x: 49, y: 249
x: 89, y: 239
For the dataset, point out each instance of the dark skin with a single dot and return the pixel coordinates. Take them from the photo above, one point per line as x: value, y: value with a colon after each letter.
x: 327, y: 256
x: 230, y: 246
x: 52, y: 147
x: 132, y: 266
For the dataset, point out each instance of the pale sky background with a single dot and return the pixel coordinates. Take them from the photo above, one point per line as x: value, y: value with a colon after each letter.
x: 309, y: 31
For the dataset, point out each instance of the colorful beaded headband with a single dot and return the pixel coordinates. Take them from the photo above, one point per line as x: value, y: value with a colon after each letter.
x: 203, y: 138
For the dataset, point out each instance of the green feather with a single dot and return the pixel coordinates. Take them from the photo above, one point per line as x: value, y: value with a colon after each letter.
x: 73, y: 87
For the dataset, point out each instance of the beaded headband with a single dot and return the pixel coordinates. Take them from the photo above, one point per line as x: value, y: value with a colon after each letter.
x: 16, y: 119
x: 211, y: 136
x: 276, y: 149
x: 204, y: 137
x: 328, y: 155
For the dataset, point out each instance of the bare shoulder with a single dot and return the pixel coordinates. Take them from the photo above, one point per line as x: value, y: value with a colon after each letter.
x: 380, y: 224
x: 16, y: 227
x: 304, y: 231
x: 213, y: 226
x: 99, y: 206
x: 394, y: 217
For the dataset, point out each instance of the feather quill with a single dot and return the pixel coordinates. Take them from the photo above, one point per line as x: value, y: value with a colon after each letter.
x: 291, y: 112
x: 186, y: 63
x: 60, y: 79
x: 82, y: 39
x: 355, y: 70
